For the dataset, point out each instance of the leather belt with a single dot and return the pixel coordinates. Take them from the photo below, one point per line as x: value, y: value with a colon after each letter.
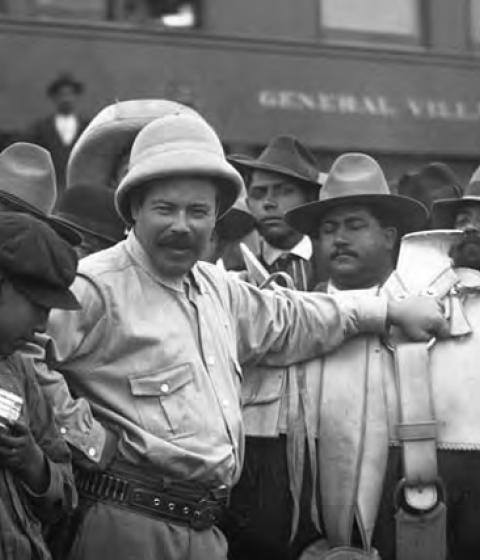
x: 200, y: 509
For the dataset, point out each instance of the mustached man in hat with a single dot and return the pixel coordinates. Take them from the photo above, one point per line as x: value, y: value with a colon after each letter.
x: 357, y: 222
x: 430, y: 183
x: 28, y: 185
x: 59, y: 131
x: 463, y: 214
x: 97, y: 163
x: 153, y: 356
x: 284, y: 176
x: 364, y: 400
x: 36, y: 482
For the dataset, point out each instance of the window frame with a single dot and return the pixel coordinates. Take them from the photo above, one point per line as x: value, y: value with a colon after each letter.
x: 379, y: 39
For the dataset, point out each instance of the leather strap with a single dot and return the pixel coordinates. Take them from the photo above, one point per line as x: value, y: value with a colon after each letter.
x: 421, y: 527
x: 417, y: 427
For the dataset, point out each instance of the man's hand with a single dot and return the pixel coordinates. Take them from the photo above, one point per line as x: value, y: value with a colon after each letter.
x: 21, y: 454
x: 419, y: 317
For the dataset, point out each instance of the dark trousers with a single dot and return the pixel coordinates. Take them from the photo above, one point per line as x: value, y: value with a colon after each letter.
x: 258, y: 522
x: 460, y: 472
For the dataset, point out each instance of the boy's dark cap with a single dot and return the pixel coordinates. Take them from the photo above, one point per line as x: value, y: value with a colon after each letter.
x: 39, y: 263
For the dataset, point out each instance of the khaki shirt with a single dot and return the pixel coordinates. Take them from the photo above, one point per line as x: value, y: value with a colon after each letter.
x: 160, y: 359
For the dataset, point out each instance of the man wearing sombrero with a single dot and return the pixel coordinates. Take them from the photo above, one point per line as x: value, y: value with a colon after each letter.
x: 153, y: 356
x: 284, y: 176
x: 464, y: 214
x: 357, y: 222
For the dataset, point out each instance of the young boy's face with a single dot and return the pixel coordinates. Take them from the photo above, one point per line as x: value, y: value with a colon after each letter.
x: 20, y: 319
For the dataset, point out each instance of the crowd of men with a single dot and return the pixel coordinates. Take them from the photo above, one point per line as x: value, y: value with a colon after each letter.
x: 212, y: 378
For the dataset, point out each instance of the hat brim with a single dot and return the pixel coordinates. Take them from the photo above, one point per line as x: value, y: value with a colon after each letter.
x: 64, y: 230
x: 235, y: 224
x: 97, y: 151
x: 253, y: 164
x: 81, y: 229
x: 444, y: 210
x: 182, y: 163
x: 94, y: 156
x: 409, y: 214
x: 47, y: 296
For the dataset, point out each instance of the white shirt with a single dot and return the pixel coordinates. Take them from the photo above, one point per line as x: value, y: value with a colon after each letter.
x: 67, y: 127
x: 303, y: 249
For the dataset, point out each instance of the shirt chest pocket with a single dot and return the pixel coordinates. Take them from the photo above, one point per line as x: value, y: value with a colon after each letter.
x: 163, y: 400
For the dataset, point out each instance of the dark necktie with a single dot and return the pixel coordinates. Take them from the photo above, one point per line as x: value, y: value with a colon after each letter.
x: 296, y: 267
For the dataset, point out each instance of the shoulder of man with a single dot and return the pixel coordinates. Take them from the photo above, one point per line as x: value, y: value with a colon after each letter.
x: 113, y: 259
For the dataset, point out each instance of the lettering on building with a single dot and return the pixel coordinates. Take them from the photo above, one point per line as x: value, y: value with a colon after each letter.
x: 345, y: 103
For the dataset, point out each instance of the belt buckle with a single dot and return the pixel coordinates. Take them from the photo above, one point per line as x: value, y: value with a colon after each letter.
x: 205, y: 515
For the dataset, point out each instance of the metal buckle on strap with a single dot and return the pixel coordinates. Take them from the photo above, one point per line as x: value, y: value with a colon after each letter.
x: 419, y: 499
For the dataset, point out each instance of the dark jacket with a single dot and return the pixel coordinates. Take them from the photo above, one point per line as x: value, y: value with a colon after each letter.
x: 24, y: 515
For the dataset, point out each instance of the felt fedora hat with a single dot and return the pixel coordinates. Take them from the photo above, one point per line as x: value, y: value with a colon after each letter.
x: 64, y: 79
x: 178, y: 144
x: 431, y: 182
x: 28, y: 185
x: 356, y: 178
x: 91, y: 210
x: 284, y: 155
x: 110, y: 135
x: 444, y: 211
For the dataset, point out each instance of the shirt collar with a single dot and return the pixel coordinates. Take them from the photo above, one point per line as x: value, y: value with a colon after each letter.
x: 140, y: 256
x: 303, y: 249
x: 373, y: 290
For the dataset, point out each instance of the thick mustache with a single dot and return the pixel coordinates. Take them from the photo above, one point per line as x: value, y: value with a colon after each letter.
x: 268, y: 218
x: 342, y: 253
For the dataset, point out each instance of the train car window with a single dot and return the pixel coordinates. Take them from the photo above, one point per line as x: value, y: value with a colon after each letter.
x: 372, y: 20
x: 475, y: 22
x: 69, y: 9
x: 166, y: 13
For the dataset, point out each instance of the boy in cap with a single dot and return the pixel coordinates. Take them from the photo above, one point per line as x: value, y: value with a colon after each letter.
x: 36, y: 483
